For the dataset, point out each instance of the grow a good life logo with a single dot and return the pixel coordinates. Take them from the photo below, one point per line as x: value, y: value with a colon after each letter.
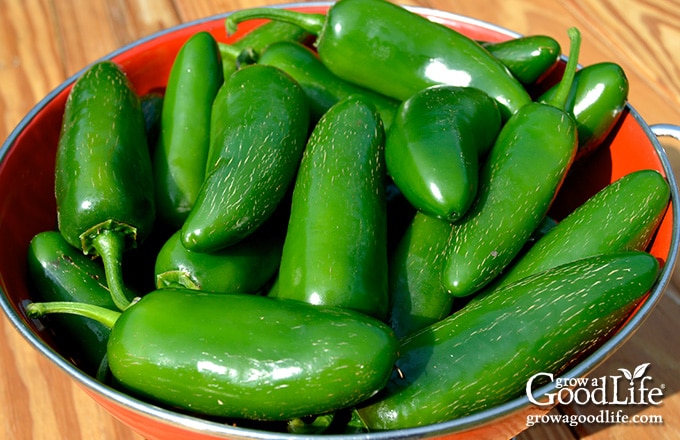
x: 630, y: 388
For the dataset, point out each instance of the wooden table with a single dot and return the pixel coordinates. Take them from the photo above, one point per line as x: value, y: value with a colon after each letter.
x: 42, y: 42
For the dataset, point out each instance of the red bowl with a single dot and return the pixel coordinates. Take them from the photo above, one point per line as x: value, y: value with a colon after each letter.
x: 27, y: 206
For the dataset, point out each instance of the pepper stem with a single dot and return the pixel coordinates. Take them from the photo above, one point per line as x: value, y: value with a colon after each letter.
x: 100, y: 314
x: 312, y: 23
x: 110, y: 245
x: 559, y: 99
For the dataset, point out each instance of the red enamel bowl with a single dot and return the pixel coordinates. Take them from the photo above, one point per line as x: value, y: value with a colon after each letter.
x: 27, y: 206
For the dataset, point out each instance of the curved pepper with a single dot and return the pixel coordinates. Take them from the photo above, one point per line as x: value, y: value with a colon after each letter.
x: 492, y: 347
x: 518, y: 182
x: 432, y: 149
x: 103, y: 175
x: 323, y: 88
x: 529, y: 57
x: 181, y: 156
x: 247, y: 49
x: 59, y: 272
x: 242, y: 268
x: 242, y: 356
x: 260, y: 122
x: 392, y: 58
x: 335, y: 251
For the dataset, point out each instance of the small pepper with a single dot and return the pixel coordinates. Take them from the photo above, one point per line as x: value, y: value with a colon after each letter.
x: 387, y: 48
x: 181, y: 156
x: 245, y: 267
x: 529, y: 58
x: 597, y: 100
x: 58, y: 271
x: 103, y: 176
x: 433, y: 148
x: 247, y: 49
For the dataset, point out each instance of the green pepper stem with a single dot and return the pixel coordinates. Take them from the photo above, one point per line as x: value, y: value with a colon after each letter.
x: 228, y: 51
x: 559, y: 99
x: 110, y: 245
x: 312, y: 23
x: 100, y: 314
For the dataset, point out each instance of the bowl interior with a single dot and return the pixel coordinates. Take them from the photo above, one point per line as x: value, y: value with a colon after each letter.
x: 27, y: 203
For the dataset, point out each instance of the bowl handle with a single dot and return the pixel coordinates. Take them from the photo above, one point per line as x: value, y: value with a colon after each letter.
x: 669, y: 130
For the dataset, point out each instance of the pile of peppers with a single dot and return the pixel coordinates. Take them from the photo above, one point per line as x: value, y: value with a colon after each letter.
x: 343, y: 217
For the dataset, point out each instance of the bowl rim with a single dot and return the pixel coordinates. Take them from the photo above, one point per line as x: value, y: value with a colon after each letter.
x: 199, y: 425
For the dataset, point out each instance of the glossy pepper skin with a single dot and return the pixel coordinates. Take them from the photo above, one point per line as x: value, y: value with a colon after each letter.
x: 432, y: 149
x: 230, y: 355
x: 103, y: 176
x: 335, y: 251
x: 247, y: 49
x: 529, y: 57
x: 323, y: 88
x: 260, y: 122
x: 59, y: 272
x: 597, y: 99
x: 493, y: 346
x: 518, y: 182
x: 245, y: 267
x: 181, y: 155
x: 372, y: 43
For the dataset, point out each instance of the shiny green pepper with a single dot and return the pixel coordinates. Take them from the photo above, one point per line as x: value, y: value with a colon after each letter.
x: 335, y: 251
x: 433, y: 147
x: 260, y: 123
x: 244, y: 267
x: 596, y: 102
x: 402, y: 54
x: 242, y: 356
x: 518, y: 182
x: 181, y: 156
x: 529, y: 57
x: 103, y: 176
x: 490, y: 348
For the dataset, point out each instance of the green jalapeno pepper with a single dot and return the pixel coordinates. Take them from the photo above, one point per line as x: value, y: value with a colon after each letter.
x: 529, y: 57
x: 180, y: 159
x: 322, y: 87
x: 596, y: 101
x: 247, y: 49
x: 432, y: 149
x: 518, y: 182
x: 242, y: 268
x: 242, y: 356
x: 103, y: 175
x: 58, y: 271
x: 622, y: 216
x: 335, y: 251
x: 260, y: 122
x: 373, y: 43
x: 492, y: 347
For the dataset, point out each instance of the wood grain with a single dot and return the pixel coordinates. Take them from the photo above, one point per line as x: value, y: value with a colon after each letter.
x: 43, y: 42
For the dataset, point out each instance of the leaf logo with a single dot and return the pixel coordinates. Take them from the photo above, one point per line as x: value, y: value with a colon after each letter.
x: 637, y: 373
